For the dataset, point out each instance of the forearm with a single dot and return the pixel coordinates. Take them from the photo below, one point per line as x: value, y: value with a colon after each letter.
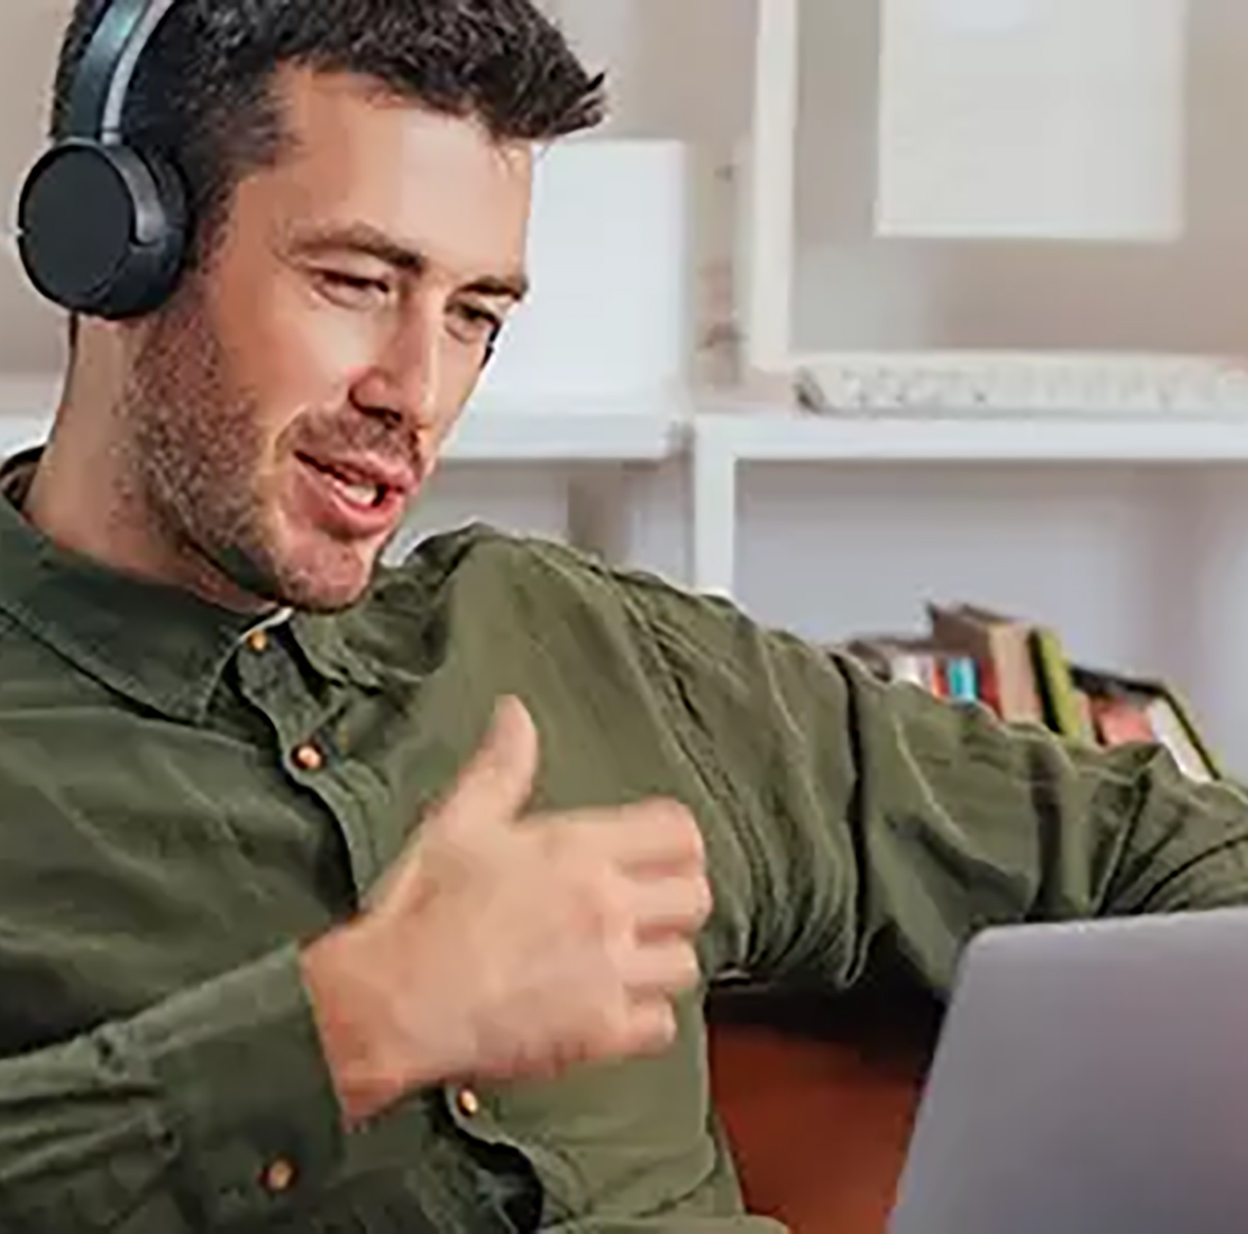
x: 962, y: 822
x: 877, y: 824
x: 1159, y: 841
x: 178, y: 1114
x: 956, y: 822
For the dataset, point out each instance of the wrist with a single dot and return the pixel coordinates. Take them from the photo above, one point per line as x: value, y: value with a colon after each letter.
x: 348, y: 984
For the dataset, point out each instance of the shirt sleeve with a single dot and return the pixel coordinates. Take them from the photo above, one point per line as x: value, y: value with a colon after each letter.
x: 211, y: 1108
x: 876, y: 822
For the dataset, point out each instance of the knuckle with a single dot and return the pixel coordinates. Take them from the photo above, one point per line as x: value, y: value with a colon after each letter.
x: 704, y: 898
x: 659, y: 1029
x: 557, y: 842
x: 675, y: 825
x: 618, y: 950
x: 685, y: 829
x: 609, y: 1023
x: 674, y: 813
x: 603, y: 906
x: 687, y: 967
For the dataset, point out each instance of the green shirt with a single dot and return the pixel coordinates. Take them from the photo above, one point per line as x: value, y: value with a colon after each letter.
x: 165, y: 848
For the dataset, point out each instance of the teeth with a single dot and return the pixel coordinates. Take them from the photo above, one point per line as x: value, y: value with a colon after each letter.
x: 361, y: 494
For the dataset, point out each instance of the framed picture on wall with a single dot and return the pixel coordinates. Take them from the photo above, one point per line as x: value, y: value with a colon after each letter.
x: 1010, y: 178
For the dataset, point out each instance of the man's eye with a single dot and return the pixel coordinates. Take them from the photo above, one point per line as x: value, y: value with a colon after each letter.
x: 477, y: 323
x: 352, y: 288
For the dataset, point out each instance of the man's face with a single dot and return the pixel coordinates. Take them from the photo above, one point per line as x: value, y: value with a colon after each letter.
x: 293, y: 398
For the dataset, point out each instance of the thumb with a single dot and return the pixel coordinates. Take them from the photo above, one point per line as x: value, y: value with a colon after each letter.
x: 496, y: 784
x: 490, y: 791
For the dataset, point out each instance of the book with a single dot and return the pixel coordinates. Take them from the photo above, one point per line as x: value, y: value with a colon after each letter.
x: 1067, y: 710
x: 1002, y: 645
x: 1021, y: 670
x: 1129, y: 710
x: 920, y: 661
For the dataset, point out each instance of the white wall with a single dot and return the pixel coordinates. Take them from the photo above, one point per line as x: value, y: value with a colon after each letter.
x: 30, y: 333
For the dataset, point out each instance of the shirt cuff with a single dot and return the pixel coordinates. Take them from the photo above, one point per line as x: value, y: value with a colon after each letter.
x: 246, y: 1087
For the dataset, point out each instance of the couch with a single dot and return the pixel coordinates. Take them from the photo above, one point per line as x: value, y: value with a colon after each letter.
x: 819, y: 1098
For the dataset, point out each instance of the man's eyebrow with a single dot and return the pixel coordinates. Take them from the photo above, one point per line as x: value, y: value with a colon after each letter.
x: 509, y: 287
x: 362, y: 239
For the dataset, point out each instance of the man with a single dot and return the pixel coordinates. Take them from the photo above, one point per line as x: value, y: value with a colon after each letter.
x: 299, y: 928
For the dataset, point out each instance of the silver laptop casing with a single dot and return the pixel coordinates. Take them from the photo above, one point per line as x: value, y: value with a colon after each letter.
x: 1090, y: 1078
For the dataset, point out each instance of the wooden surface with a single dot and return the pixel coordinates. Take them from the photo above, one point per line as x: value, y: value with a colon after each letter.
x: 819, y: 1101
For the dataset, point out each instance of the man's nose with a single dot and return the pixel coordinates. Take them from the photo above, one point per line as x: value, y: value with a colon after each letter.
x: 404, y: 383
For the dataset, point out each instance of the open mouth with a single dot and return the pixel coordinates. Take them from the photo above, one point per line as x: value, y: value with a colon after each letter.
x: 368, y: 494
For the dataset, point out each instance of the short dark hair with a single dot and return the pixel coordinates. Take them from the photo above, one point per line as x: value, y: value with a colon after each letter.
x: 203, y: 95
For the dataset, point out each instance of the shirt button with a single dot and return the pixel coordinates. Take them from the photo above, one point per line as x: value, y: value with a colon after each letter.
x: 258, y: 641
x: 309, y: 758
x: 469, y: 1103
x: 279, y: 1176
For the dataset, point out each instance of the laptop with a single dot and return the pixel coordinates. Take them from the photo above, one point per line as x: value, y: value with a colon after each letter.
x: 1090, y: 1078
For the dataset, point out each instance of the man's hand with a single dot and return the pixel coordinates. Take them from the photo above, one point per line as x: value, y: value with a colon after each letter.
x: 503, y: 946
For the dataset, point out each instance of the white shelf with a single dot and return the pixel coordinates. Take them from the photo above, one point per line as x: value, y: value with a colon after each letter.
x: 734, y: 434
x: 784, y: 436
x: 586, y: 434
x: 658, y: 429
x: 589, y: 433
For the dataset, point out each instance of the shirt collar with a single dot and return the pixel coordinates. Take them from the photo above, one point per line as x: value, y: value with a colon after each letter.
x: 159, y: 645
x: 326, y: 641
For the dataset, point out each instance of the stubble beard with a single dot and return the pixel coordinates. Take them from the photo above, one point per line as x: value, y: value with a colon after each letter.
x: 196, y: 445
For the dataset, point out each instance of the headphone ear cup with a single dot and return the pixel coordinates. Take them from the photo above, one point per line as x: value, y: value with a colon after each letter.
x: 103, y: 229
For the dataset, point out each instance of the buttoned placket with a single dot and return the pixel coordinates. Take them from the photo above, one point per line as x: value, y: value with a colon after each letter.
x: 271, y: 681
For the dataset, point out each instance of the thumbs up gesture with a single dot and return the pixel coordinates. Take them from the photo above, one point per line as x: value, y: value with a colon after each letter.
x: 504, y: 945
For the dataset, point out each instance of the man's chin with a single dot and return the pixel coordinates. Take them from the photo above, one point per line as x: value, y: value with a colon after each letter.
x: 326, y: 590
x: 319, y: 580
x: 323, y: 603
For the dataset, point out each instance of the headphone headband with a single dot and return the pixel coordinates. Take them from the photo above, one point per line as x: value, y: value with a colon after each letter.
x: 98, y: 97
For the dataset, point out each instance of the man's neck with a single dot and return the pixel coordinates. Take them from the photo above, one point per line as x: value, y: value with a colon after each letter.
x: 77, y: 501
x: 84, y: 497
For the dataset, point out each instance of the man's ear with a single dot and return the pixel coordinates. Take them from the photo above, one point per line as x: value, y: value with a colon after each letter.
x: 490, y: 348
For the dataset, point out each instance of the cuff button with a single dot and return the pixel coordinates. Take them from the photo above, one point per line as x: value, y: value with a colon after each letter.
x: 309, y: 758
x: 279, y: 1176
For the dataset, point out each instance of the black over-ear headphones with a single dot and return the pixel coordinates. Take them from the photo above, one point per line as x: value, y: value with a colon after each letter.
x: 102, y: 227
